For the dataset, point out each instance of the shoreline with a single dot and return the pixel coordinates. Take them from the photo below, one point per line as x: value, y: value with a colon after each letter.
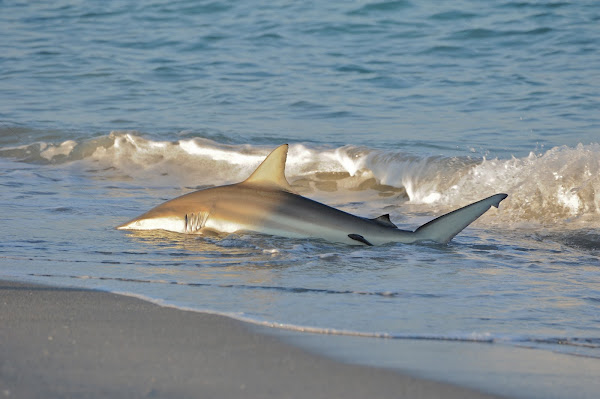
x: 64, y: 342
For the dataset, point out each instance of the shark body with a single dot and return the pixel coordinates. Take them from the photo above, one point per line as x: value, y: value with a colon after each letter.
x: 265, y: 203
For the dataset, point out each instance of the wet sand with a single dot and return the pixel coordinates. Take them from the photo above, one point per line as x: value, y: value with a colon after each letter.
x: 59, y: 342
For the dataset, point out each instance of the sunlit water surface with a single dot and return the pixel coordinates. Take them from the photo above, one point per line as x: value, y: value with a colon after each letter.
x: 406, y: 108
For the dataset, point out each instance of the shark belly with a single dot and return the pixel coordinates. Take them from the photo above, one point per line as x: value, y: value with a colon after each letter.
x: 168, y: 223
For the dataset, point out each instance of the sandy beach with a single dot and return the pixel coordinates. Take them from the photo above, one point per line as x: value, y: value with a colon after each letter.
x: 58, y: 342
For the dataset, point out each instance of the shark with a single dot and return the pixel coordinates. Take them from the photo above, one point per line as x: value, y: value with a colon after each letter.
x: 266, y: 203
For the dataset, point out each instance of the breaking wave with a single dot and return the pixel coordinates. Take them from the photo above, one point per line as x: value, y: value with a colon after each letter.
x: 558, y: 186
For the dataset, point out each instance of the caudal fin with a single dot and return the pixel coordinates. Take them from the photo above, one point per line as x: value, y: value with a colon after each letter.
x: 444, y: 228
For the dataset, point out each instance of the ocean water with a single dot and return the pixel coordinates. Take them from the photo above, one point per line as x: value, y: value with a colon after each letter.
x: 402, y: 107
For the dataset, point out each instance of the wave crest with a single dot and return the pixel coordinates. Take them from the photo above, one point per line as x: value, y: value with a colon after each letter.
x: 560, y: 185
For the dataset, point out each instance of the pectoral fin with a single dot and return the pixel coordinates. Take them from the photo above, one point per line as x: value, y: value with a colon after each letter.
x: 359, y: 238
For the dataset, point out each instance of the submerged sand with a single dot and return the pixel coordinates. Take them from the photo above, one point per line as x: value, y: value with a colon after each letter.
x: 60, y: 342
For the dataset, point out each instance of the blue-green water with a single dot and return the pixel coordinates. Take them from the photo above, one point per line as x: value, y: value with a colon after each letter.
x: 500, y: 77
x: 401, y: 107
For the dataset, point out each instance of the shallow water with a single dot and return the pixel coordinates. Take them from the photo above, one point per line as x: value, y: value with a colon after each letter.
x: 406, y: 108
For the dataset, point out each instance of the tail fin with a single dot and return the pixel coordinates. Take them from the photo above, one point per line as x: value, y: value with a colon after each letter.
x: 444, y: 228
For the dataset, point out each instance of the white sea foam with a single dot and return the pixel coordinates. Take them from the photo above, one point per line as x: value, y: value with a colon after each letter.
x: 559, y: 185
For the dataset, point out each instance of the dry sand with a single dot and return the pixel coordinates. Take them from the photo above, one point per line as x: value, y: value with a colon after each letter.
x: 62, y: 343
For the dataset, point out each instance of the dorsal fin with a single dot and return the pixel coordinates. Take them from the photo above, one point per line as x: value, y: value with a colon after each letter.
x: 384, y: 220
x: 271, y: 171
